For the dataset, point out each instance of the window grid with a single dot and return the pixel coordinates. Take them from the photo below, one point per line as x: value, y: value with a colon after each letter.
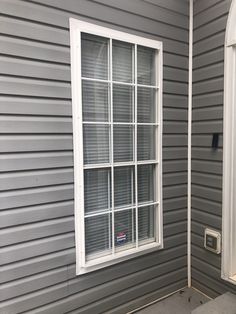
x: 135, y: 125
x: 100, y: 259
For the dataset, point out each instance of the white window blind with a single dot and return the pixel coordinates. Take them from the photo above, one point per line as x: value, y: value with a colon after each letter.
x: 117, y: 123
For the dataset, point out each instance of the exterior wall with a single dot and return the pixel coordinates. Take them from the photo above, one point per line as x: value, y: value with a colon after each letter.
x: 210, y: 19
x: 37, y: 257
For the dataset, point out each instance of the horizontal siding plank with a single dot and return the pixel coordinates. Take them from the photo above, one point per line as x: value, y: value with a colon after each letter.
x: 175, y: 228
x: 211, y: 99
x: 25, y: 48
x: 33, y: 31
x: 27, y: 285
x: 174, y: 165
x: 32, y: 87
x: 31, y: 214
x: 19, y: 124
x: 174, y: 178
x: 25, y: 268
x: 170, y: 73
x: 205, y: 255
x: 207, y: 166
x: 113, y: 16
x: 175, y: 216
x: 207, y: 154
x: 20, y: 180
x: 201, y: 5
x: 209, y: 86
x: 205, y: 59
x: 208, y: 72
x: 208, y: 44
x: 141, y: 7
x: 174, y: 153
x: 175, y: 101
x: 208, y: 113
x: 18, y: 234
x: 39, y: 70
x: 212, y: 13
x: 174, y: 204
x: 28, y: 161
x: 211, y: 207
x: 175, y: 127
x: 35, y: 248
x: 205, y: 140
x: 175, y: 5
x: 210, y: 28
x: 32, y: 143
x: 206, y: 127
x: 210, y: 220
x: 35, y: 106
x: 34, y: 196
x: 178, y: 61
x: 213, y: 181
x: 175, y: 191
x: 170, y: 140
x: 175, y: 88
x: 170, y: 114
x: 207, y: 193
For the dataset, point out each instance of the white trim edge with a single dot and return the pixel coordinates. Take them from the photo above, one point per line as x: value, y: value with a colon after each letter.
x: 190, y: 79
x: 228, y: 271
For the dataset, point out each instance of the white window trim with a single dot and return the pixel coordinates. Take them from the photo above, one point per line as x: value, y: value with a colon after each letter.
x: 229, y: 153
x: 76, y: 27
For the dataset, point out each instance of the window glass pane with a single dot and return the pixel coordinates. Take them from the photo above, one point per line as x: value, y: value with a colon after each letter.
x: 95, y: 101
x: 122, y: 61
x: 125, y: 229
x: 96, y: 144
x: 97, y: 190
x: 123, y: 143
x: 145, y: 183
x: 122, y: 103
x: 123, y: 186
x: 146, y: 105
x: 146, y: 142
x: 98, y: 235
x: 146, y: 224
x: 146, y: 65
x: 94, y: 59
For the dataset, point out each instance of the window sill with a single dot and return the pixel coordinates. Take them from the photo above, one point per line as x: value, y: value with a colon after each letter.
x: 120, y: 257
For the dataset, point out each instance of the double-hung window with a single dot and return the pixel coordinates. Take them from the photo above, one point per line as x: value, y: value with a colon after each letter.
x: 117, y: 133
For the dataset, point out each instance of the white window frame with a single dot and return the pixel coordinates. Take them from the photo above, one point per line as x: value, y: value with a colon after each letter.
x: 228, y: 267
x: 76, y: 28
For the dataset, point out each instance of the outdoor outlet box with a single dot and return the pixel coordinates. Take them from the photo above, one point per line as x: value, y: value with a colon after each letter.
x: 212, y: 241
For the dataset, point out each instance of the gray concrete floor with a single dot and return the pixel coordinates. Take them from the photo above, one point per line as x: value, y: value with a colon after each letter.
x: 182, y: 302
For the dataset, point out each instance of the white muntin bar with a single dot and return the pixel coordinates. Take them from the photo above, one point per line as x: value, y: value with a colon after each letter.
x: 118, y: 82
x: 136, y: 140
x: 119, y: 209
x: 148, y: 86
x: 111, y: 149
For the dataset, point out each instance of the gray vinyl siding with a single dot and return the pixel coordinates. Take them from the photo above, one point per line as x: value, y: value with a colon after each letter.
x: 210, y: 19
x: 37, y: 255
